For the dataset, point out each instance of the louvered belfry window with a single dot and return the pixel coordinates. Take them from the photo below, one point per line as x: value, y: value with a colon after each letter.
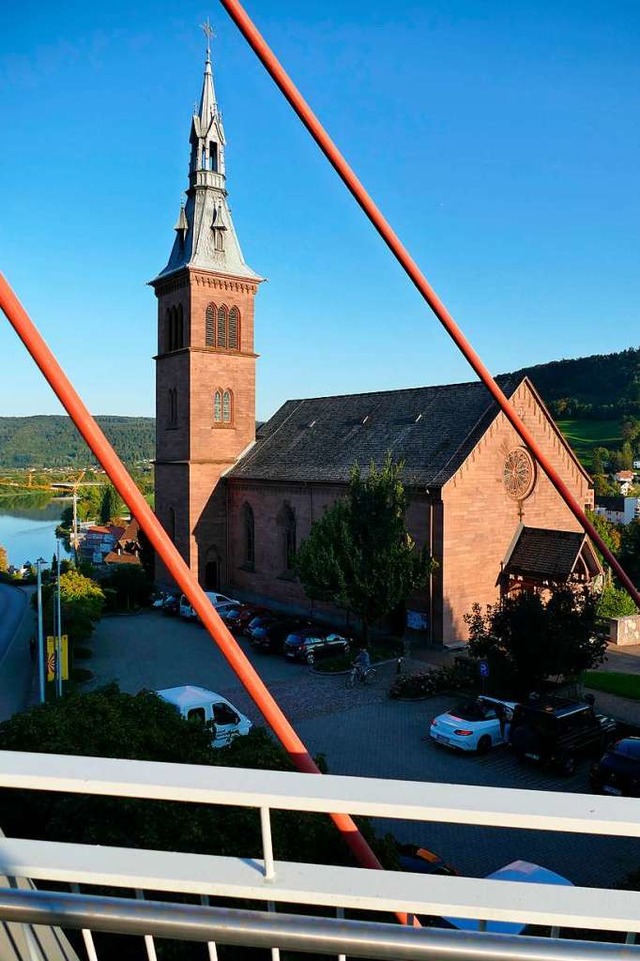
x: 222, y: 327
x: 234, y: 324
x: 210, y: 326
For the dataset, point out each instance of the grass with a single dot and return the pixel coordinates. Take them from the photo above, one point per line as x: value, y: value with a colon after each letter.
x: 612, y: 682
x: 584, y: 435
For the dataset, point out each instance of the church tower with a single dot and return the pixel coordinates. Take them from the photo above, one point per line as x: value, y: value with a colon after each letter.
x: 205, y: 363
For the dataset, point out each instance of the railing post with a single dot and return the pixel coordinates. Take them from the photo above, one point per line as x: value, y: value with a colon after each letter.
x: 275, y: 952
x: 267, y: 844
x: 340, y: 916
x: 205, y: 901
x: 148, y: 939
x: 87, y: 936
x: 34, y: 949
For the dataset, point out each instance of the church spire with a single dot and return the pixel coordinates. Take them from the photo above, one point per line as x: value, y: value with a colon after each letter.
x: 206, y: 236
x: 208, y: 105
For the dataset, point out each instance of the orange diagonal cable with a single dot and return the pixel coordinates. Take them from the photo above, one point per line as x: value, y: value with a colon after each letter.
x: 139, y: 508
x: 348, y: 177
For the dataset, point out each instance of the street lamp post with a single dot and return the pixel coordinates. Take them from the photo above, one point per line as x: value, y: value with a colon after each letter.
x: 59, y: 622
x: 39, y: 564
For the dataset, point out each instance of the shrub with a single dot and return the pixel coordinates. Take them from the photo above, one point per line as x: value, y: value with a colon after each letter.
x: 430, y: 682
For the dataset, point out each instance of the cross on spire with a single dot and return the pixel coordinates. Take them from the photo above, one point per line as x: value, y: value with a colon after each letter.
x: 207, y: 29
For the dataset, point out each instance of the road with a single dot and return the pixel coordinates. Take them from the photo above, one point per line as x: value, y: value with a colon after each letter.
x: 364, y: 733
x: 17, y: 625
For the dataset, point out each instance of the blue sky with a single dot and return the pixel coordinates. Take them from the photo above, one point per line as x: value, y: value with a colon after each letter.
x: 501, y: 139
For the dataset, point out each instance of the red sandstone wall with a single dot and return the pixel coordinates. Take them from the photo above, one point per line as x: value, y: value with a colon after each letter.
x: 481, y: 519
x: 208, y: 450
x: 268, y: 579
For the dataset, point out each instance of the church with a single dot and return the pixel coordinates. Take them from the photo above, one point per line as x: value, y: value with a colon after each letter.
x: 238, y: 498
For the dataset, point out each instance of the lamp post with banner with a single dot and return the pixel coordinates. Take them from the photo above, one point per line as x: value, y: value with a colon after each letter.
x: 39, y: 564
x: 58, y: 627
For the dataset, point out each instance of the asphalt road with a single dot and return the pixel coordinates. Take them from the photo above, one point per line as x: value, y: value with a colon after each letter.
x: 364, y: 733
x: 17, y: 624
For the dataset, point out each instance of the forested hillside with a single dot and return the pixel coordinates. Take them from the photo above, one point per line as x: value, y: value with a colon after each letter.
x: 596, y: 401
x: 53, y: 441
x: 600, y: 387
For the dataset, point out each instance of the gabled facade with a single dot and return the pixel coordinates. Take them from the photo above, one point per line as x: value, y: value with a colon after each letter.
x: 473, y: 488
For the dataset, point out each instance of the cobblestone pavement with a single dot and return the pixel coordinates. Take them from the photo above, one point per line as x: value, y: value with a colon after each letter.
x: 362, y: 732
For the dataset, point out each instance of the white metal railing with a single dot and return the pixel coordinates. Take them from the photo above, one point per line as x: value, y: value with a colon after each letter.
x: 278, y: 883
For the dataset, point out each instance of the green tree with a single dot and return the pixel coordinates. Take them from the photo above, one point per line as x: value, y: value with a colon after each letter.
x: 614, y: 601
x: 111, y: 505
x: 358, y: 554
x: 110, y: 723
x: 630, y: 550
x: 126, y: 587
x: 82, y: 602
x: 610, y: 533
x: 600, y: 460
x: 530, y: 640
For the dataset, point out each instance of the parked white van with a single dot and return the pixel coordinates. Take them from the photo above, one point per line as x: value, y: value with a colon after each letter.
x: 200, y: 705
x: 218, y: 600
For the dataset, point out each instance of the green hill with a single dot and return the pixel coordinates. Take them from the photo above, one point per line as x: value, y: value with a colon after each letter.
x: 53, y: 441
x: 600, y: 387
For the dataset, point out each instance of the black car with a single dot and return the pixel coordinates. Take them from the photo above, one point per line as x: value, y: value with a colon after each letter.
x: 259, y: 624
x: 308, y: 644
x: 618, y: 770
x: 558, y: 731
x: 270, y: 636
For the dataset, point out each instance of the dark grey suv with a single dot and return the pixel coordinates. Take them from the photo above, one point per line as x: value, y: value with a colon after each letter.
x: 557, y: 732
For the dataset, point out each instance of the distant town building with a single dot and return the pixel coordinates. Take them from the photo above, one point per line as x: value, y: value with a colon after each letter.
x: 618, y: 509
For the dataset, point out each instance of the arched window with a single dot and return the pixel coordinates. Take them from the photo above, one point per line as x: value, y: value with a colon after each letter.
x: 213, y: 156
x: 172, y: 411
x: 166, y: 340
x: 210, y: 326
x: 222, y: 327
x: 179, y: 327
x: 227, y: 407
x: 171, y: 529
x: 234, y: 328
x: 248, y: 521
x: 287, y: 524
x: 217, y: 407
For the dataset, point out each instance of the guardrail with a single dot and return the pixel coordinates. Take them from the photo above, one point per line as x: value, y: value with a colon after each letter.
x: 277, y: 883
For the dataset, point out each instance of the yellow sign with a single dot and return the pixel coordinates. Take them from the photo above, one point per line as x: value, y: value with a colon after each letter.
x: 51, y: 657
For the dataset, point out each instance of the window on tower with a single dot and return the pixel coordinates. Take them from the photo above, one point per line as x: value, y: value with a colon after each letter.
x: 213, y: 156
x: 234, y: 326
x: 179, y: 327
x: 217, y: 407
x: 172, y: 410
x: 223, y: 323
x: 210, y: 326
x: 227, y: 407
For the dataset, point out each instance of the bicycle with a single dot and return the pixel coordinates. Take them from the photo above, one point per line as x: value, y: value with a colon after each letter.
x: 357, y: 674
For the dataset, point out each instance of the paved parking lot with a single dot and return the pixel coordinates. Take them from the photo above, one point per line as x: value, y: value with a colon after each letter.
x: 364, y: 733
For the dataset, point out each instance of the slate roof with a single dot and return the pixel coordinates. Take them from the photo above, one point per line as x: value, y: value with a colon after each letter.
x: 431, y: 429
x: 547, y: 554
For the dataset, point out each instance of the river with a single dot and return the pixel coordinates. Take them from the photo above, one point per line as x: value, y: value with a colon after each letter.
x: 28, y: 532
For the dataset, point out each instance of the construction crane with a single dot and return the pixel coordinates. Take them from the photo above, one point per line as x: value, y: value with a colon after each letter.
x: 74, y: 527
